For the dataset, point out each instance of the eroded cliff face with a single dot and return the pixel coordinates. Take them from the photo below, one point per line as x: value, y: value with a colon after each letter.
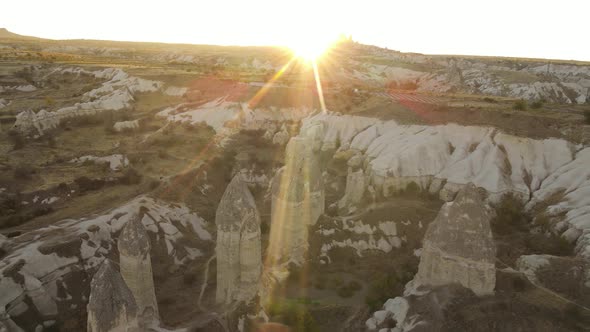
x: 239, y: 259
x: 459, y: 246
x: 136, y: 267
x: 442, y: 159
x: 111, y: 306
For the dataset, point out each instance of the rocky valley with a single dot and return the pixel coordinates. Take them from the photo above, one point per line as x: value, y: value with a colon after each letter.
x: 175, y: 187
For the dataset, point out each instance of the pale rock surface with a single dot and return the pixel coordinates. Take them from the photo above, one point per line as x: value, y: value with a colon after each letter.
x: 21, y: 88
x: 239, y: 257
x: 360, y: 236
x: 354, y: 193
x: 111, y: 307
x: 116, y: 161
x: 281, y: 137
x: 175, y: 91
x: 226, y: 116
x: 136, y: 267
x: 529, y: 264
x: 126, y: 125
x: 572, y: 183
x: 546, y: 270
x: 459, y: 246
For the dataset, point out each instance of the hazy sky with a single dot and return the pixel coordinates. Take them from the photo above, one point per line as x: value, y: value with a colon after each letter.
x: 527, y: 28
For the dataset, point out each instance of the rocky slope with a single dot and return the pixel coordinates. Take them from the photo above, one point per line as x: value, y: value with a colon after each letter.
x: 46, y: 272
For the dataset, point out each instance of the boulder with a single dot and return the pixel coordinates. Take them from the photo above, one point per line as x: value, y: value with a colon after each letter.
x: 459, y: 246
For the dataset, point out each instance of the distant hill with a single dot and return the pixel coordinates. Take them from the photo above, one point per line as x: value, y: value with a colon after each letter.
x: 5, y: 34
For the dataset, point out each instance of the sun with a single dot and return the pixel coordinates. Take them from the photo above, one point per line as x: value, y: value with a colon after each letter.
x: 311, y: 46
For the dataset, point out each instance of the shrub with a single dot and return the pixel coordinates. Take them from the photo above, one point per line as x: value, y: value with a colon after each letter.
x: 552, y: 244
x: 131, y: 176
x: 537, y: 104
x: 489, y: 100
x: 189, y: 278
x: 587, y: 116
x: 17, y: 140
x: 383, y: 289
x: 348, y: 290
x: 23, y: 172
x: 295, y: 315
x: 520, y: 105
x: 509, y: 215
x: 86, y: 184
x: 412, y: 188
x: 320, y: 283
x: 345, y: 292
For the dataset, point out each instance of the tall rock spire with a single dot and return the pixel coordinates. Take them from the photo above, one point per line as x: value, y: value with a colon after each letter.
x: 136, y: 267
x: 297, y: 197
x: 239, y: 259
x: 111, y: 306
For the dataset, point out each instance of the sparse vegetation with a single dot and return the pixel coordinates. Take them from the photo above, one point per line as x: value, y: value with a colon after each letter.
x: 294, y: 314
x: 520, y: 105
x: 349, y: 289
x: 389, y: 286
x: 537, y: 104
x: 130, y: 176
x: 17, y: 140
x: 510, y: 215
x: 23, y: 172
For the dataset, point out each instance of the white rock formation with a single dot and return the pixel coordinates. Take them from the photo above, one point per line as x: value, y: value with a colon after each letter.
x: 115, y: 94
x: 21, y: 88
x: 3, y: 103
x: 136, y: 267
x: 572, y: 213
x: 126, y: 125
x: 175, y: 91
x: 297, y: 198
x: 239, y: 257
x: 116, y: 161
x: 360, y: 236
x: 111, y: 306
x: 442, y: 159
x: 459, y: 246
x: 223, y: 115
x: 281, y: 137
x: 356, y: 185
x: 531, y: 80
